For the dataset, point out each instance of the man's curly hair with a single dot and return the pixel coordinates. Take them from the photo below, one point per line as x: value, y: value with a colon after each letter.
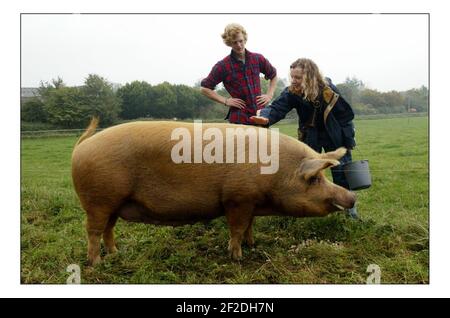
x: 230, y: 32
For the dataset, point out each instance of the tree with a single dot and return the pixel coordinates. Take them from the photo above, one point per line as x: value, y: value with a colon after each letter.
x: 33, y: 111
x: 186, y: 101
x: 100, y: 100
x: 71, y: 107
x: 136, y: 98
x: 45, y: 89
x: 61, y: 104
x: 360, y: 108
x: 374, y: 99
x: 417, y: 98
x: 58, y: 83
x: 206, y: 108
x: 351, y: 89
x: 395, y: 102
x: 164, y: 102
x: 65, y: 107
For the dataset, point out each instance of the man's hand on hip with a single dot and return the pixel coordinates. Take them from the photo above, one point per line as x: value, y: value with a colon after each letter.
x: 235, y: 102
x: 263, y: 100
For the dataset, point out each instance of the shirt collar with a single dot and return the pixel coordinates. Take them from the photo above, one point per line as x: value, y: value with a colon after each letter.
x: 234, y: 57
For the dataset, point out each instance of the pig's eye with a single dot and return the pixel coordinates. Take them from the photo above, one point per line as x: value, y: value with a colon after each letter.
x: 314, y: 180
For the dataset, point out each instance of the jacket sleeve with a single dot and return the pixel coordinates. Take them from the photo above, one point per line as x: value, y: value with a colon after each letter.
x: 343, y: 113
x: 278, y: 109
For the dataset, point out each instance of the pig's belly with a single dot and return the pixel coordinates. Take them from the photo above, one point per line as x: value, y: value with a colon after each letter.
x: 134, y: 211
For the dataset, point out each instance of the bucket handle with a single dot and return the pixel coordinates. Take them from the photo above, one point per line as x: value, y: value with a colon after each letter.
x: 359, y: 151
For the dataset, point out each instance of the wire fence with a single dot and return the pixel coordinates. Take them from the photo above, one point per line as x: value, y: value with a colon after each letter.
x: 54, y: 133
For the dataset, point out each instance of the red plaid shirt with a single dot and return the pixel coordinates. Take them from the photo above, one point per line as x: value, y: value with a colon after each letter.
x: 241, y: 80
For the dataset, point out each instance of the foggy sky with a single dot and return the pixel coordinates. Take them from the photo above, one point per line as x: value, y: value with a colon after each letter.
x: 386, y: 52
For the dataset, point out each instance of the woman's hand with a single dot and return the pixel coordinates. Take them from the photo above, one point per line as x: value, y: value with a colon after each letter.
x: 259, y: 120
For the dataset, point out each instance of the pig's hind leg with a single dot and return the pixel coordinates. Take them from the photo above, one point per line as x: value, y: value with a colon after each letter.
x: 95, y: 226
x: 248, y: 235
x: 239, y: 218
x: 108, y: 234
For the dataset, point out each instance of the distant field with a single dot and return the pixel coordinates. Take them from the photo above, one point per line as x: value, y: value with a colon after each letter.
x: 393, y: 232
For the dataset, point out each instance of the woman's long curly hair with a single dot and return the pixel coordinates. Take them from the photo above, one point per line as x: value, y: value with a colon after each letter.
x: 312, y: 82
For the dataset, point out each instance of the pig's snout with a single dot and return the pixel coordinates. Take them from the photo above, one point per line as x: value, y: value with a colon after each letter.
x: 346, y: 201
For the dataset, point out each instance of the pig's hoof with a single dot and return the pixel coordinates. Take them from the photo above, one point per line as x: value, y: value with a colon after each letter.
x: 94, y: 261
x: 250, y: 242
x: 235, y: 250
x: 236, y: 254
x: 112, y: 250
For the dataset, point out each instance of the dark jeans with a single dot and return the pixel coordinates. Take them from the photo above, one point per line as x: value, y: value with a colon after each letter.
x: 320, y: 140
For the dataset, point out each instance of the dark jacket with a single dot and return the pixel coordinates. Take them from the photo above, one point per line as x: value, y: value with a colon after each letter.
x: 337, y: 115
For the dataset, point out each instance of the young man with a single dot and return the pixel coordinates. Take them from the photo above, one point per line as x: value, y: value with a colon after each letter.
x: 325, y: 118
x: 239, y: 73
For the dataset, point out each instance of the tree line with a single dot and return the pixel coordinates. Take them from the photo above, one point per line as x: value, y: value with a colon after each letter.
x: 72, y: 107
x: 369, y: 101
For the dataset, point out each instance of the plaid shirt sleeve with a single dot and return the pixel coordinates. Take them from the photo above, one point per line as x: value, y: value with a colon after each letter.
x: 214, y: 77
x: 266, y: 68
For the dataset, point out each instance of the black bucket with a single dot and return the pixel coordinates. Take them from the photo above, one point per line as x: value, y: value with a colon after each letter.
x: 357, y: 174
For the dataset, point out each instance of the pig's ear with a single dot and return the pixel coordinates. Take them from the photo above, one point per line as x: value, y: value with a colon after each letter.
x: 336, y: 155
x: 311, y: 167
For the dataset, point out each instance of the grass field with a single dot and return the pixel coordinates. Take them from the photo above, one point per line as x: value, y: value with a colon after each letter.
x: 392, y: 233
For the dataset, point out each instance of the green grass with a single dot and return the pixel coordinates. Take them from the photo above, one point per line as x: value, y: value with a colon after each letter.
x: 393, y: 232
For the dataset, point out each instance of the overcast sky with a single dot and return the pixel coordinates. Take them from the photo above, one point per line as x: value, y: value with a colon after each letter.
x: 386, y: 52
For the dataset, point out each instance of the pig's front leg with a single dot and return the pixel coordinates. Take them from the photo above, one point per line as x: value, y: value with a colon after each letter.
x: 239, y: 217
